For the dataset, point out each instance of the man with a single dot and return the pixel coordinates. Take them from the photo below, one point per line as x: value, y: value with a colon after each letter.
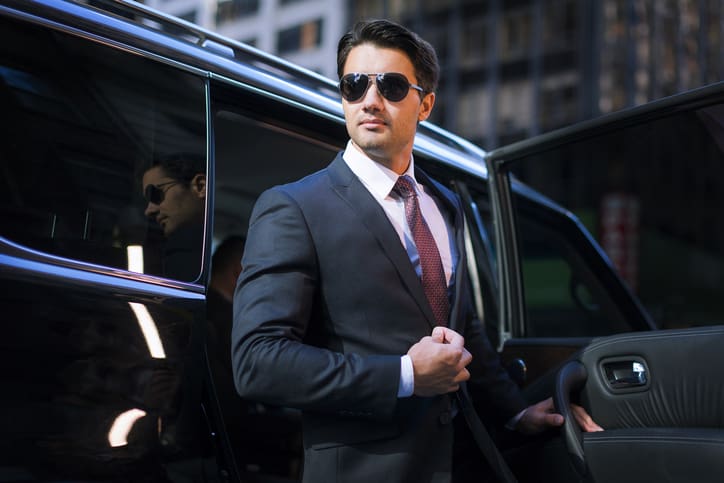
x: 353, y: 311
x: 175, y: 190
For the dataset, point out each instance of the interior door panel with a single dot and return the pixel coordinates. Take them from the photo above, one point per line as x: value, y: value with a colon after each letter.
x: 540, y: 356
x: 659, y: 397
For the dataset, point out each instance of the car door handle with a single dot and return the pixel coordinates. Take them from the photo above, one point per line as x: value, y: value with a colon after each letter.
x: 625, y: 373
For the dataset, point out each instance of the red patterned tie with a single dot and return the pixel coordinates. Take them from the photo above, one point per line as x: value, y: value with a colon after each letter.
x: 433, y: 275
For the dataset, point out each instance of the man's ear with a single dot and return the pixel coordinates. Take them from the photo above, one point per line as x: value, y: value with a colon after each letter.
x: 198, y: 185
x: 426, y: 107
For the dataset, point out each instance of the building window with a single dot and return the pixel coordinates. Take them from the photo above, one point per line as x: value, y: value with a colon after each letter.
x: 473, y: 111
x: 300, y: 37
x: 474, y: 42
x: 228, y: 10
x: 514, y: 107
x: 559, y: 26
x: 515, y: 34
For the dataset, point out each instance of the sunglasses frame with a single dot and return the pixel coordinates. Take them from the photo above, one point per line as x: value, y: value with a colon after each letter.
x: 154, y: 193
x: 379, y: 84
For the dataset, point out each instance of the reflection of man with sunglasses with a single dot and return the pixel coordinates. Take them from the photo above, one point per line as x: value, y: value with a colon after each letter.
x: 354, y: 303
x: 175, y: 189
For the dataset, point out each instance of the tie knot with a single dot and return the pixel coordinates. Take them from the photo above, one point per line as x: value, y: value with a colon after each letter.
x: 404, y: 187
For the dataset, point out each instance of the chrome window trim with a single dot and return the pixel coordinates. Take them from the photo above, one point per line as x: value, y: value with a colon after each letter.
x: 45, y: 265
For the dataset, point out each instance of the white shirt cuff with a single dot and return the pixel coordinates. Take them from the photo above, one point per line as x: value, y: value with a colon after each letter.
x: 407, y: 377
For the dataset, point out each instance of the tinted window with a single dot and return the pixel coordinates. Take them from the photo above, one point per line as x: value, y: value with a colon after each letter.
x: 562, y: 293
x: 82, y: 123
x: 651, y: 193
x: 258, y: 143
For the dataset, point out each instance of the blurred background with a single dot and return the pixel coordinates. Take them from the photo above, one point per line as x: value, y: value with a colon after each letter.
x: 510, y: 68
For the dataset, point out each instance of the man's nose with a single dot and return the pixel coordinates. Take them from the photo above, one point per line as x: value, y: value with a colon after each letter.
x: 151, y: 209
x: 372, y: 98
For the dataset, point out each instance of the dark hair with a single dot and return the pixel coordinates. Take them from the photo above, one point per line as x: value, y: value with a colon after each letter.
x: 387, y: 34
x: 181, y: 166
x: 229, y: 251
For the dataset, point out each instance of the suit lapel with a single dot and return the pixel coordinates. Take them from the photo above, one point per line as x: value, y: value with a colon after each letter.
x: 352, y: 191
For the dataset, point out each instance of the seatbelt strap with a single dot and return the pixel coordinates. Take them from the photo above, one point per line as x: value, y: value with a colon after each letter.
x: 485, y: 442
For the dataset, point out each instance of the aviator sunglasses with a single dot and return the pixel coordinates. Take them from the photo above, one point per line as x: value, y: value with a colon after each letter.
x: 391, y: 85
x: 155, y: 193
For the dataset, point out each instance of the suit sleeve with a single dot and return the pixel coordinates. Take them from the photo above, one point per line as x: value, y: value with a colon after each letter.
x: 274, y: 305
x: 491, y: 388
x: 490, y: 385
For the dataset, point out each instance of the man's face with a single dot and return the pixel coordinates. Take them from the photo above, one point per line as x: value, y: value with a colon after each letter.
x: 181, y: 203
x: 382, y: 129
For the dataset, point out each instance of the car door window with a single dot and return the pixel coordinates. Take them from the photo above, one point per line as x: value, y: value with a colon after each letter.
x: 82, y: 123
x: 650, y: 192
x: 563, y: 295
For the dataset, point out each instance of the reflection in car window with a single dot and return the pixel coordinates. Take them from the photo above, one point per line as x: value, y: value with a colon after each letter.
x: 563, y: 296
x: 83, y: 123
x: 651, y: 193
x: 254, y: 152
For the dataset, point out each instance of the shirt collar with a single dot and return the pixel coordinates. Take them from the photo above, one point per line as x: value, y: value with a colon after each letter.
x: 378, y: 179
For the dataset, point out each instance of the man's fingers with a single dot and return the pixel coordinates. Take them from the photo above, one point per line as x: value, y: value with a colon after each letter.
x: 438, y: 334
x: 439, y: 362
x: 462, y: 376
x: 553, y: 419
x: 466, y: 358
x: 584, y: 419
x: 453, y: 338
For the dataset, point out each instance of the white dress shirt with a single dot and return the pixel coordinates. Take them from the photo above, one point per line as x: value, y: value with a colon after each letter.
x: 379, y: 181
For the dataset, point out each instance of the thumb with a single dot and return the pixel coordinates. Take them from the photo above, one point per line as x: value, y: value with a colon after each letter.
x: 554, y: 419
x: 438, y: 334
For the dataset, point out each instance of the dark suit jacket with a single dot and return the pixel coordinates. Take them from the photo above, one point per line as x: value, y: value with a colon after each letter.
x: 327, y: 303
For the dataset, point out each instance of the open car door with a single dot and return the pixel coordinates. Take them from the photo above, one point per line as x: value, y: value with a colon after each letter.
x: 632, y: 291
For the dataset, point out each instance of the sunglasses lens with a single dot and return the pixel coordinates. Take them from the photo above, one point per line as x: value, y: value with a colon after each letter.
x: 393, y: 87
x: 153, y: 194
x: 353, y: 86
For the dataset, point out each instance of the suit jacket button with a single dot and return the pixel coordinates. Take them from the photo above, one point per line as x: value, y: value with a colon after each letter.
x: 445, y: 417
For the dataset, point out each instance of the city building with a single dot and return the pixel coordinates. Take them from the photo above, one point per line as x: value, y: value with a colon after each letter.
x: 302, y: 31
x: 510, y: 68
x: 516, y: 68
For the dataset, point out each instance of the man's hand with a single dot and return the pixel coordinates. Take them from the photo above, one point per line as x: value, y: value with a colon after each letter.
x: 439, y: 362
x: 541, y: 416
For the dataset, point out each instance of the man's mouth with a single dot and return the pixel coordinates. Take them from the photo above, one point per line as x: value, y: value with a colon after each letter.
x: 372, y: 124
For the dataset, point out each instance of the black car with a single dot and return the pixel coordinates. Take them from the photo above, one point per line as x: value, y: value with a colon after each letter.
x: 110, y: 370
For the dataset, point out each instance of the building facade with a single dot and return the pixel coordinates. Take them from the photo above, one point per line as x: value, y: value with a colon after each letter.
x: 511, y: 69
x: 515, y: 68
x: 302, y: 31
